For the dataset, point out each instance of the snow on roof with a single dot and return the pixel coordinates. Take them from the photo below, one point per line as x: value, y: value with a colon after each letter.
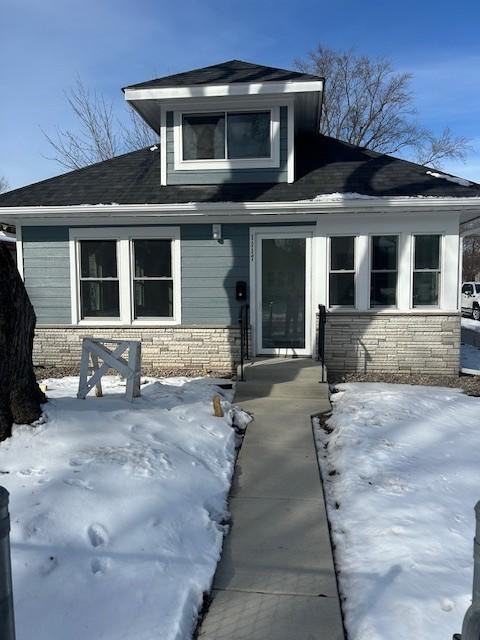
x: 461, y: 181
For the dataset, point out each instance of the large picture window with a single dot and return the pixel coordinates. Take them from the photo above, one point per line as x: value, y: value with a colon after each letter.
x: 128, y: 275
x: 384, y: 271
x: 226, y: 135
x: 342, y: 271
x: 99, y: 285
x: 426, y: 270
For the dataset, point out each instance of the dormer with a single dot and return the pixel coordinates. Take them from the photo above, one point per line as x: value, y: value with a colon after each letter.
x: 229, y: 123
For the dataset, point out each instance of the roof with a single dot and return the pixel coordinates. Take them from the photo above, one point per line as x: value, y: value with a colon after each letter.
x: 324, y: 166
x: 230, y: 72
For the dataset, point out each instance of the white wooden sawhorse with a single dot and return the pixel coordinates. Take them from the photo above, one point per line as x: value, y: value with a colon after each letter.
x: 95, y: 349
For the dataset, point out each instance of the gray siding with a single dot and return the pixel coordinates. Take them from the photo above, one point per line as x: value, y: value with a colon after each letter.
x: 46, y: 266
x: 210, y: 270
x: 236, y: 175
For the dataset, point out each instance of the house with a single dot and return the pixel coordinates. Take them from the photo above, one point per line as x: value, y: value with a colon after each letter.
x: 244, y: 201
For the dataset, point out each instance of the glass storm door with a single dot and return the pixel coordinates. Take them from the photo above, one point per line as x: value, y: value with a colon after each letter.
x: 283, y: 308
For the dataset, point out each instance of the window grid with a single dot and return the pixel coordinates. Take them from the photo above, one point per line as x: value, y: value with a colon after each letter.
x: 378, y: 271
x: 136, y: 278
x: 99, y: 279
x: 426, y: 270
x: 341, y: 271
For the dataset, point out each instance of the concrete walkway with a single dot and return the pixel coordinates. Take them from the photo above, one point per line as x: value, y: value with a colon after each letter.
x: 276, y: 579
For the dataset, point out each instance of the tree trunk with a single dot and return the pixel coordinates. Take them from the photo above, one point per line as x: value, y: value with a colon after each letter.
x: 20, y: 396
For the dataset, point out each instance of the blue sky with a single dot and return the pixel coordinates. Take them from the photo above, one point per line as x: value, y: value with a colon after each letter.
x: 45, y: 44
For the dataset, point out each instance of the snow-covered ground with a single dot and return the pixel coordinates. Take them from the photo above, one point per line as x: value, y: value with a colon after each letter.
x: 469, y: 323
x: 117, y: 510
x: 402, y: 475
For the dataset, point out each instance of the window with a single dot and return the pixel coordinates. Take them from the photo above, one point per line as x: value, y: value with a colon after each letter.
x: 228, y: 135
x: 467, y: 289
x: 99, y: 285
x: 126, y: 275
x: 384, y: 271
x: 227, y: 139
x: 248, y: 135
x: 426, y: 270
x: 342, y: 271
x: 204, y: 136
x: 152, y: 279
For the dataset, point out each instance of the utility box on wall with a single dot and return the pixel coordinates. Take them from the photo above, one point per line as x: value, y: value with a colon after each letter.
x: 241, y: 290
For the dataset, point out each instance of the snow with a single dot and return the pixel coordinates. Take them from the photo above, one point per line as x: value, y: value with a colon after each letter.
x: 402, y: 467
x: 468, y: 323
x: 341, y: 197
x: 329, y: 197
x: 455, y: 179
x: 118, y: 510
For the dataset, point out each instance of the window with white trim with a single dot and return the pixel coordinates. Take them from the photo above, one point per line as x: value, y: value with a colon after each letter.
x: 341, y: 282
x: 426, y: 270
x: 126, y: 276
x: 152, y: 278
x: 384, y: 271
x: 227, y: 138
x: 99, y: 282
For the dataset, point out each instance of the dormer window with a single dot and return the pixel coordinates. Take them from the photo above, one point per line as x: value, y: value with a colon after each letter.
x: 227, y: 139
x: 232, y: 135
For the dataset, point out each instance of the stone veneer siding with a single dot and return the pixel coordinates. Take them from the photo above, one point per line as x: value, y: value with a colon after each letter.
x: 393, y: 343
x: 170, y: 349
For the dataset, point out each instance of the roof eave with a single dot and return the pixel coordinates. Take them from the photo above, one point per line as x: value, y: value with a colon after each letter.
x: 221, y: 90
x: 228, y: 209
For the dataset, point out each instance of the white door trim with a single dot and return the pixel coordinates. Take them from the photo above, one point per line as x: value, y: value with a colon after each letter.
x: 257, y: 234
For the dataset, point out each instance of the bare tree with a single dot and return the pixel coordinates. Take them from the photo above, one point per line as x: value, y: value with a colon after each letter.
x: 20, y: 396
x: 136, y: 133
x: 368, y: 104
x: 4, y: 186
x: 433, y: 150
x: 99, y: 134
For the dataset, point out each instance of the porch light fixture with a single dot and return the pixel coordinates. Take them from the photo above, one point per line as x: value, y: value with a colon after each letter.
x: 217, y: 231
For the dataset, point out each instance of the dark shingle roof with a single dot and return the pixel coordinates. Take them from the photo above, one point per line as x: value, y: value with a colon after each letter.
x: 324, y: 166
x: 233, y: 71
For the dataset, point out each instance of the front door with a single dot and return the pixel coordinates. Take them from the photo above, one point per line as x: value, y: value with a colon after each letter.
x: 282, y: 318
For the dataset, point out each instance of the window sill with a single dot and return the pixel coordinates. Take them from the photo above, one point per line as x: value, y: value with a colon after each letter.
x: 125, y: 325
x: 222, y: 165
x: 397, y: 312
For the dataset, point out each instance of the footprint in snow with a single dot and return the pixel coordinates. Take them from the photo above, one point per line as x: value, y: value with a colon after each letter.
x: 99, y: 566
x: 32, y: 472
x: 97, y: 534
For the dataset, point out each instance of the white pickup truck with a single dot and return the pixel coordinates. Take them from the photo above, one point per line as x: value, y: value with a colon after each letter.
x: 471, y: 299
